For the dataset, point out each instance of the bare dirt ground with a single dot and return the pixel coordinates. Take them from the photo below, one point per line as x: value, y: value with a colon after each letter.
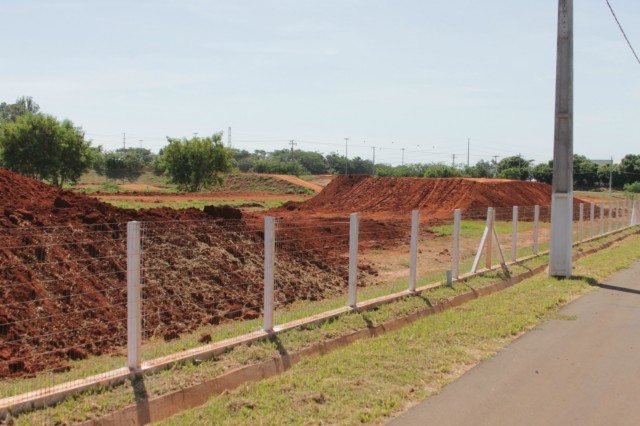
x: 213, y: 265
x: 147, y: 197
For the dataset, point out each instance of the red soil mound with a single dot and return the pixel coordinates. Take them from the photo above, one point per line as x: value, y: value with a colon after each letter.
x: 436, y: 197
x: 63, y: 273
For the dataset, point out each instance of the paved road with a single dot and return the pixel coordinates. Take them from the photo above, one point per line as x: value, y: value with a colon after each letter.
x: 581, y: 372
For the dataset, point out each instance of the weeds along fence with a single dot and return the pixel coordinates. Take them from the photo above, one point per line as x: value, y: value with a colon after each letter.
x: 87, y: 305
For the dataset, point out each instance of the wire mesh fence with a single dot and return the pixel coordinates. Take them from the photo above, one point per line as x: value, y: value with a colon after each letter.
x: 199, y: 281
x: 63, y: 314
x: 63, y: 309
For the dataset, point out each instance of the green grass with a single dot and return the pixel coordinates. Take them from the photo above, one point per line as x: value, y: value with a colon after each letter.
x: 373, y: 379
x: 601, y: 193
x: 475, y: 228
x: 98, y: 402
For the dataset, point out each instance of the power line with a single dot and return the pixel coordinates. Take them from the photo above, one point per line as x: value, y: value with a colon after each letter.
x: 623, y: 33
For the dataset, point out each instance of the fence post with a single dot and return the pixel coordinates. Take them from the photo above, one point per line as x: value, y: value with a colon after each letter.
x: 413, y: 273
x: 581, y: 223
x: 617, y: 215
x: 490, y: 224
x: 592, y: 216
x: 269, y: 270
x: 456, y: 244
x: 353, y: 259
x: 514, y: 234
x: 134, y: 319
x: 536, y: 221
x: 602, y: 218
x: 609, y: 226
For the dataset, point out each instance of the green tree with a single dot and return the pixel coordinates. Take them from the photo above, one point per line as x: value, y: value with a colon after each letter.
x: 9, y: 113
x: 518, y: 168
x: 38, y: 146
x: 630, y: 168
x: 197, y: 163
x: 585, y: 172
x: 482, y: 169
x: 121, y: 164
x: 442, y: 171
x: 543, y: 173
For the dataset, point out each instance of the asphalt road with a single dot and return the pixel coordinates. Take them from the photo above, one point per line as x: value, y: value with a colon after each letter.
x: 565, y: 372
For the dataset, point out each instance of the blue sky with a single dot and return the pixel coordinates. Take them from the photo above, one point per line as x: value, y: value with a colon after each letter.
x: 419, y: 75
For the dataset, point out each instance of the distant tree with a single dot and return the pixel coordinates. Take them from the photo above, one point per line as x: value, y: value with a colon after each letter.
x: 610, y: 171
x: 442, y: 171
x: 514, y: 167
x: 121, y: 164
x: 197, y: 163
x: 630, y: 168
x: 279, y: 167
x: 313, y: 162
x: 585, y: 172
x: 39, y: 146
x: 482, y: 169
x: 543, y: 173
x: 9, y: 113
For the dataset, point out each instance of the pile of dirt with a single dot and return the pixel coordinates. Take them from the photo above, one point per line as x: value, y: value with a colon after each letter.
x: 63, y: 273
x: 437, y: 198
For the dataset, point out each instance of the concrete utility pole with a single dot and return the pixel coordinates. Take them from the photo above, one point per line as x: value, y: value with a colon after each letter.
x: 402, y: 156
x: 562, y: 198
x: 346, y: 156
x: 292, y: 143
x: 124, y: 141
x: 453, y: 160
x: 468, y: 149
x: 373, y: 167
x: 610, y: 177
x: 229, y: 137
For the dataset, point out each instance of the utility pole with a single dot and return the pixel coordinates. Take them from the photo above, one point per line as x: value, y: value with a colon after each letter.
x: 124, y: 141
x: 402, y: 163
x: 453, y: 161
x: 373, y: 168
x: 140, y: 140
x: 346, y: 156
x: 610, y: 177
x: 468, y: 149
x: 562, y: 198
x: 292, y: 143
x: 229, y: 137
x: 495, y: 165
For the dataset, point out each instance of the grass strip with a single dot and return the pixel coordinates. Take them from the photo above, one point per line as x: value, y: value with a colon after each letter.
x: 98, y: 402
x: 375, y: 378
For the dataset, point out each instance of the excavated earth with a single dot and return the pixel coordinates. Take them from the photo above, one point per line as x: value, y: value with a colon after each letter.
x: 63, y: 273
x: 388, y: 198
x: 63, y: 258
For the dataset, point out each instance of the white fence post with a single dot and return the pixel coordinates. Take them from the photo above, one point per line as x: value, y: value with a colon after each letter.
x: 269, y: 270
x: 581, y: 223
x: 536, y: 221
x: 617, y: 215
x: 514, y: 234
x: 602, y: 218
x: 592, y: 217
x: 456, y: 244
x: 134, y: 319
x: 610, y: 225
x: 353, y: 259
x: 413, y: 268
x: 491, y: 218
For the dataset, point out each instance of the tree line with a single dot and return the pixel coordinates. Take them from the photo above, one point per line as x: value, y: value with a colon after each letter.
x: 40, y: 146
